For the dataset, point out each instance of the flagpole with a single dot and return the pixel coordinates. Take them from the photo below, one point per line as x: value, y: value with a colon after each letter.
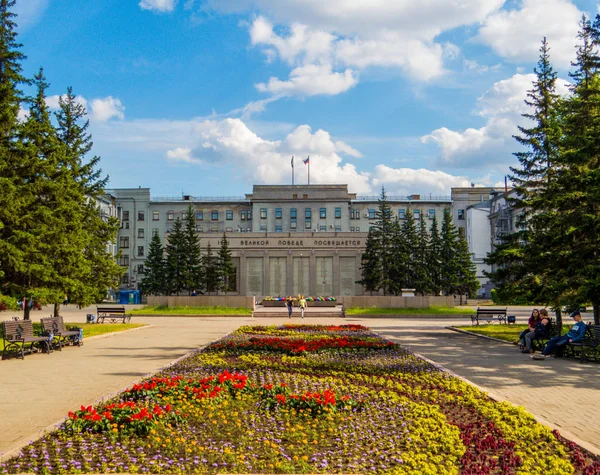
x: 292, y: 170
x: 309, y: 169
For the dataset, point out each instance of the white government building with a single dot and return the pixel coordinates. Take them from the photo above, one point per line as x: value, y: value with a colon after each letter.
x: 290, y: 239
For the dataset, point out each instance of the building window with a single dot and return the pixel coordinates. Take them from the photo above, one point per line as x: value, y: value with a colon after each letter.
x: 338, y: 213
x: 351, y: 213
x: 323, y: 213
x: 243, y: 217
x: 170, y: 215
x: 338, y: 229
x: 249, y: 215
x: 263, y: 228
x: 199, y: 215
x: 293, y: 224
x: 214, y: 229
x: 371, y: 213
x: 322, y: 227
x: 295, y: 196
x: 140, y: 268
x: 214, y: 215
x: 141, y: 216
x: 126, y: 224
x: 228, y: 230
x: 140, y: 251
x: 278, y: 213
x: 141, y: 232
x: 125, y: 215
x: 307, y: 225
x: 125, y: 279
x: 356, y: 214
x: 307, y: 214
x: 401, y: 214
x: 305, y: 197
x: 124, y: 260
x: 293, y: 213
x: 357, y: 229
x: 229, y: 215
x: 248, y: 229
x: 155, y: 215
x: 431, y: 213
x: 199, y: 229
x: 351, y: 229
x: 417, y: 214
x: 124, y: 242
x: 278, y: 229
x: 461, y: 214
x: 263, y: 213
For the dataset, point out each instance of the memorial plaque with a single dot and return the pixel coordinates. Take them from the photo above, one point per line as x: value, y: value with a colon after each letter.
x: 301, y: 276
x: 254, y: 275
x: 324, y: 284
x: 278, y: 276
x: 347, y: 275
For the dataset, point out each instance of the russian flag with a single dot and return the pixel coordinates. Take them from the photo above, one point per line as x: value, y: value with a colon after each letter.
x: 306, y: 161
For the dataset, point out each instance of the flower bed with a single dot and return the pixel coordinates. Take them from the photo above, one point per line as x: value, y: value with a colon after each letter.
x: 302, y: 399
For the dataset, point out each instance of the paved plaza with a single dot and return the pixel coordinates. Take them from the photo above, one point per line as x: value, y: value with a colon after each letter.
x: 38, y: 391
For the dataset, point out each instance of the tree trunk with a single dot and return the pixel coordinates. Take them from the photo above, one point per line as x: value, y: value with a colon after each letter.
x: 56, y: 309
x: 596, y: 305
x: 26, y: 311
x: 558, y: 319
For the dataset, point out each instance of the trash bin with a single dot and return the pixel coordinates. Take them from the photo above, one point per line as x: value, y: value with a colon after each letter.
x: 511, y: 319
x: 90, y: 318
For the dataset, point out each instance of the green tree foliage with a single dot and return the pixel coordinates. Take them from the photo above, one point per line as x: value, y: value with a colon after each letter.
x: 434, y: 258
x: 212, y: 277
x: 226, y: 270
x: 176, y: 260
x: 371, y: 264
x: 449, y: 260
x: 423, y: 274
x: 193, y: 263
x: 382, y: 231
x: 154, y: 268
x: 467, y: 283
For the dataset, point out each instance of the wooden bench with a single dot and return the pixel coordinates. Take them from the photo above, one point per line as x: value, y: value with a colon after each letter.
x: 538, y: 344
x: 488, y: 314
x: 62, y: 336
x: 587, y: 349
x: 112, y: 314
x: 17, y: 333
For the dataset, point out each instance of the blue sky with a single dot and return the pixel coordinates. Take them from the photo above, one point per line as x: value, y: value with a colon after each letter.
x: 207, y: 97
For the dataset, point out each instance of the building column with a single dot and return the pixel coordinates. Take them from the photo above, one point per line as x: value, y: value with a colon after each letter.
x: 266, y: 273
x: 313, y: 274
x: 336, y: 274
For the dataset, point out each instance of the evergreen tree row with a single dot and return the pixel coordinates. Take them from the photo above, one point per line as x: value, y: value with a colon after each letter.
x: 53, y: 240
x: 554, y: 256
x: 179, y: 267
x: 405, y: 255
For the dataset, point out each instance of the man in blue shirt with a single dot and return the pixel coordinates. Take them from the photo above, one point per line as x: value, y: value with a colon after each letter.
x: 576, y: 333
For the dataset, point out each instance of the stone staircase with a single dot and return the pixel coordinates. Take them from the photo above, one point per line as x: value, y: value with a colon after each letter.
x: 281, y: 312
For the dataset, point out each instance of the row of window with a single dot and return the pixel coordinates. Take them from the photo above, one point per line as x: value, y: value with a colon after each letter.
x: 247, y: 214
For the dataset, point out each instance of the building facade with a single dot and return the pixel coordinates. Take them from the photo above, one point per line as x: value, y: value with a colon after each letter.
x: 285, y: 240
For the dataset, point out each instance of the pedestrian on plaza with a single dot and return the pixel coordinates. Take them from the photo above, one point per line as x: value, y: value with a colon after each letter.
x: 194, y: 293
x: 531, y: 323
x: 290, y: 304
x: 576, y: 333
x: 302, y: 305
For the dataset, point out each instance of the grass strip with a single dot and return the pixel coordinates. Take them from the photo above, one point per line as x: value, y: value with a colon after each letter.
x: 217, y: 310
x: 409, y: 311
x: 89, y: 329
x: 502, y: 332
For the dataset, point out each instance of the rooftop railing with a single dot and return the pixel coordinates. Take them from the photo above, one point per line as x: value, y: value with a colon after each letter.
x: 199, y: 198
x: 406, y: 198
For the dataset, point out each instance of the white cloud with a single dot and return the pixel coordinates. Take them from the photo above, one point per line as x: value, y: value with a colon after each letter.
x: 311, y: 80
x: 409, y: 180
x: 29, y: 12
x: 22, y: 114
x: 53, y: 104
x: 502, y: 106
x: 182, y: 154
x: 107, y: 108
x: 517, y: 34
x: 158, y: 5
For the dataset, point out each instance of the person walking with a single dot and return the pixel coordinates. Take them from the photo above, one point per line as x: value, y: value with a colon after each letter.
x: 302, y: 305
x: 576, y: 333
x: 290, y: 305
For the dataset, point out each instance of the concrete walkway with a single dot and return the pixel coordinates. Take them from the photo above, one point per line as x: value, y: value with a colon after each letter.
x: 39, y: 391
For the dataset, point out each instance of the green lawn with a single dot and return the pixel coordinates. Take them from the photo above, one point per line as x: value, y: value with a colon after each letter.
x: 409, y: 311
x: 503, y: 332
x: 89, y: 329
x: 161, y: 310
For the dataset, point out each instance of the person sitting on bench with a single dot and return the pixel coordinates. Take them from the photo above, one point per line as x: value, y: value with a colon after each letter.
x: 531, y: 323
x: 542, y: 329
x: 576, y: 333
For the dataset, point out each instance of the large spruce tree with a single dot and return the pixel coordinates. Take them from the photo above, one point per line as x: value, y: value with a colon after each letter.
x: 434, y: 259
x: 175, y: 260
x: 226, y: 269
x: 193, y: 264
x: 371, y: 264
x: 449, y: 262
x: 154, y: 268
x: 212, y: 277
